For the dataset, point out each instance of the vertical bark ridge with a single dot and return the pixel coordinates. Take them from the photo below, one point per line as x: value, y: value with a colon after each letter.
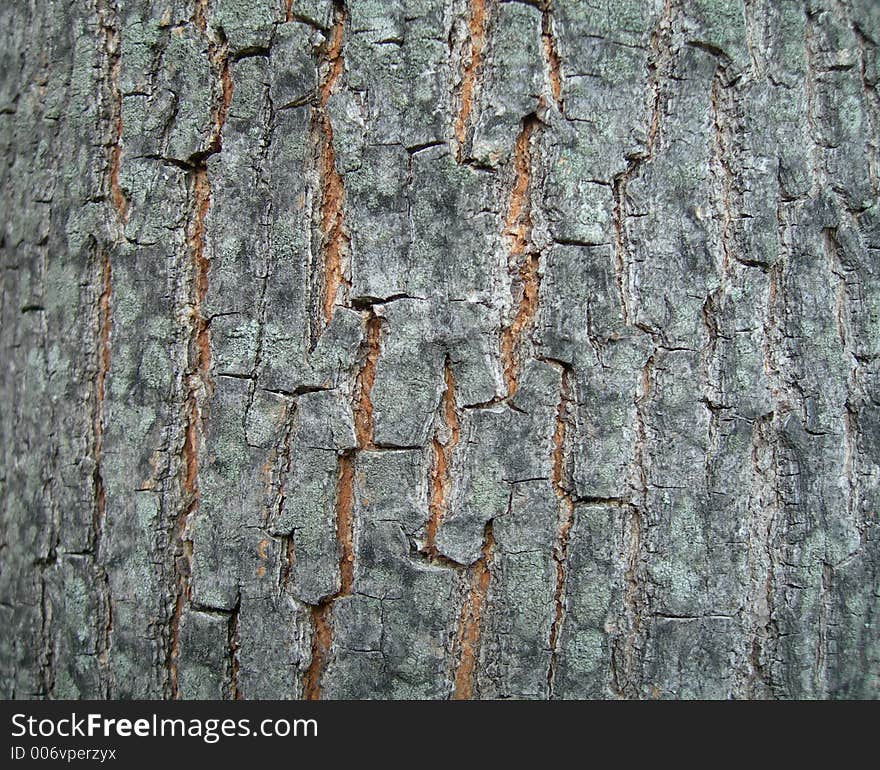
x: 659, y: 68
x: 198, y: 384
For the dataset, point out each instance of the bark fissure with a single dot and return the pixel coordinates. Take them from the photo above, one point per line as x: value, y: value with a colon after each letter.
x: 334, y: 238
x: 822, y: 641
x: 109, y: 36
x: 233, y: 644
x: 551, y: 57
x: 47, y: 649
x: 322, y: 613
x: 523, y: 259
x: 366, y: 377
x: 628, y: 645
x: 99, y: 490
x: 565, y: 519
x: 762, y: 528
x: 721, y: 172
x: 470, y: 622
x: 284, y: 460
x: 110, y: 43
x: 442, y: 447
x: 477, y: 26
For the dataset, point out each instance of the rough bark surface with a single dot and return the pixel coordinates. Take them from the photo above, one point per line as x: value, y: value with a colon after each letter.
x: 440, y: 349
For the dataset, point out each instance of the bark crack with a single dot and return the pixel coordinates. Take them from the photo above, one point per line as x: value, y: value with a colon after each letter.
x: 626, y: 649
x: 322, y: 628
x: 523, y: 259
x: 334, y: 238
x: 109, y: 36
x: 99, y: 491
x: 110, y: 44
x: 284, y: 460
x: 477, y: 27
x: 565, y: 519
x: 366, y: 377
x: 720, y: 170
x: 442, y: 446
x: 470, y: 623
x: 233, y: 646
x: 762, y: 530
x: 551, y: 56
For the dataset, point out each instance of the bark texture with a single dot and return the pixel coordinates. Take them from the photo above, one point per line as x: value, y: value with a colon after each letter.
x: 440, y: 349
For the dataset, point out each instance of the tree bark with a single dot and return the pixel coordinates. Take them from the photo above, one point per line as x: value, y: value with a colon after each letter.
x: 440, y: 349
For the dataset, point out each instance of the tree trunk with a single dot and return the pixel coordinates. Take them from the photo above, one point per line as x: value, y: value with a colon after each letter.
x: 440, y: 349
